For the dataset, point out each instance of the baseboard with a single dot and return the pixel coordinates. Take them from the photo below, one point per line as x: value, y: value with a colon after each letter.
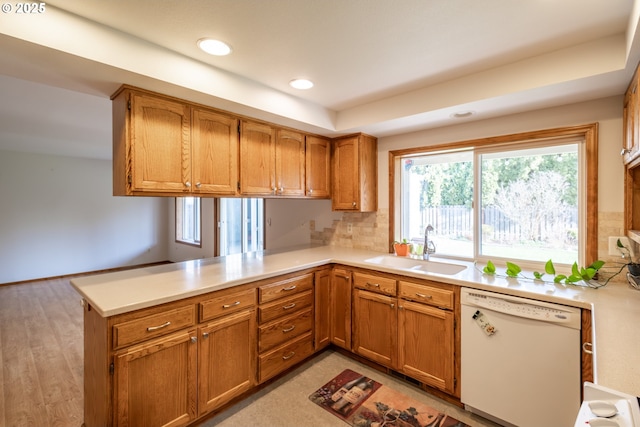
x: 86, y: 273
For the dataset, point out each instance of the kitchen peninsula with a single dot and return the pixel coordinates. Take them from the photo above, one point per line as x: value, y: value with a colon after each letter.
x: 126, y: 321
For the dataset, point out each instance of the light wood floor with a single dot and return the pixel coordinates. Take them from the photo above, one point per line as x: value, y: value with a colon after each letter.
x: 41, y: 354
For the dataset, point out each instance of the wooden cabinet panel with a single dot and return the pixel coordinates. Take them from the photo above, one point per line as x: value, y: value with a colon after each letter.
x: 227, y: 359
x: 257, y: 159
x: 375, y: 327
x: 284, y: 306
x: 152, y: 326
x: 214, y: 149
x: 284, y: 329
x: 285, y: 356
x: 428, y: 357
x: 355, y: 174
x: 340, y: 296
x: 227, y: 304
x: 155, y: 383
x: 318, y: 167
x: 322, y: 286
x: 160, y: 145
x: 284, y: 288
x: 290, y: 163
x: 426, y: 294
x: 374, y: 283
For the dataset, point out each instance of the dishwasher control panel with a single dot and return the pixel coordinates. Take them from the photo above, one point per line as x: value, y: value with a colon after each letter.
x: 521, y: 307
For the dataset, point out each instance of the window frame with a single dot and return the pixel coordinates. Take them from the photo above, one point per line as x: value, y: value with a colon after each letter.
x: 179, y: 224
x: 587, y: 132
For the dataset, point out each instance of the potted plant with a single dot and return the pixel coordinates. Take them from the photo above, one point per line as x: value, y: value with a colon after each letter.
x: 402, y: 248
x: 632, y: 266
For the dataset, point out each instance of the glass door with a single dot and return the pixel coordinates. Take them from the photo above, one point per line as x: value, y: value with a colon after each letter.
x: 241, y: 225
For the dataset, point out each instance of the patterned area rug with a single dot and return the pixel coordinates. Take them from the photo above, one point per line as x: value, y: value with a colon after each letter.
x: 363, y: 402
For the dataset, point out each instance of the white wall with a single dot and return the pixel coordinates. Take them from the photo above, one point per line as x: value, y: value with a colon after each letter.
x: 58, y: 217
x: 607, y: 112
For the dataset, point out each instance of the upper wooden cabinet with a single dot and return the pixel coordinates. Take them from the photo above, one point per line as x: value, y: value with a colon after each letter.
x: 290, y: 163
x: 318, y: 167
x: 631, y: 122
x: 166, y: 147
x: 355, y: 174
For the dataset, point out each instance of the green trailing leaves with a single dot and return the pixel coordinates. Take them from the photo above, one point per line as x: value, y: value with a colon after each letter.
x: 489, y: 268
x: 577, y: 273
x: 512, y: 269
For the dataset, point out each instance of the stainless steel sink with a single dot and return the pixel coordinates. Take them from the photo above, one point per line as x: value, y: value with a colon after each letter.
x: 417, y: 265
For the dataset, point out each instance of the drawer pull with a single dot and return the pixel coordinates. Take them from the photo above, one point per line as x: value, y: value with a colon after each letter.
x: 424, y: 296
x: 375, y: 285
x: 155, y: 328
x: 289, y: 288
x: 284, y: 331
x: 231, y: 305
x: 205, y: 335
x: 289, y: 306
x: 289, y: 356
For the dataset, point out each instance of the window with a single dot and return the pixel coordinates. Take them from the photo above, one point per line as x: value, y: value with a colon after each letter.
x: 240, y: 225
x: 188, y: 220
x: 522, y: 200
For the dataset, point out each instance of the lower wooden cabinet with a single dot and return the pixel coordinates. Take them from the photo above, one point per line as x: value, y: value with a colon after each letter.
x: 375, y: 328
x: 322, y: 296
x: 340, y: 297
x: 155, y: 382
x: 227, y: 359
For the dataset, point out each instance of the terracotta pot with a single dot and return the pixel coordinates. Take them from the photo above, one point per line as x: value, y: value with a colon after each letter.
x: 402, y: 249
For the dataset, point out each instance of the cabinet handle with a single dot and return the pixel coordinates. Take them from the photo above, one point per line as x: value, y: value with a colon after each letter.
x: 205, y: 335
x: 289, y: 306
x: 194, y: 340
x: 231, y: 305
x: 155, y: 328
x: 375, y: 285
x: 585, y: 345
x: 625, y: 151
x: 344, y: 276
x: 289, y: 356
x: 289, y: 288
x: 424, y: 296
x: 274, y: 190
x: 392, y: 305
x: 310, y: 190
x: 187, y: 184
x: 353, y: 204
x: 284, y: 331
x: 198, y: 184
x: 281, y: 189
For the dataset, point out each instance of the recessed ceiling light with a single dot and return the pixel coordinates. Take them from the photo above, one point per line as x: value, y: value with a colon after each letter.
x: 462, y: 114
x: 301, y: 84
x: 214, y: 47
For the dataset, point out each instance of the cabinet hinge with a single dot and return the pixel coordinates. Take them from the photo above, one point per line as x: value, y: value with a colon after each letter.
x: 238, y: 185
x: 111, y: 369
x: 238, y: 128
x: 455, y: 382
x: 129, y: 105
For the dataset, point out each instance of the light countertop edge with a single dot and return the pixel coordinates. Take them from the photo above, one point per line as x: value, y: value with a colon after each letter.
x: 615, y: 308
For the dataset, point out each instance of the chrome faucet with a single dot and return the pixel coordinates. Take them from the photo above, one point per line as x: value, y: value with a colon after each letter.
x: 429, y: 247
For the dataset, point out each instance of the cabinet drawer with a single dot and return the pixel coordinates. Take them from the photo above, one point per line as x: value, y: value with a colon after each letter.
x: 219, y: 306
x: 283, y: 357
x: 380, y: 285
x: 285, y: 288
x: 279, y: 331
x: 284, y: 306
x: 427, y: 294
x: 134, y: 331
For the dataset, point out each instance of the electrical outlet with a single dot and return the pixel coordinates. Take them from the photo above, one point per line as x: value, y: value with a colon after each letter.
x: 349, y: 228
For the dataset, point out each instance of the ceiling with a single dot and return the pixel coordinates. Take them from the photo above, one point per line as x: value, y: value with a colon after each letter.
x: 379, y: 66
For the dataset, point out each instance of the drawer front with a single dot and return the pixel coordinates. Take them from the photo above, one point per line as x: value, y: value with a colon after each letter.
x: 380, y: 285
x: 427, y: 294
x: 219, y: 306
x: 156, y: 325
x: 285, y: 306
x: 285, y: 288
x: 282, y: 358
x: 272, y: 334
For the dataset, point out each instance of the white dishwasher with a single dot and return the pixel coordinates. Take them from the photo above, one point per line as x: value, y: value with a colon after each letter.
x: 520, y: 361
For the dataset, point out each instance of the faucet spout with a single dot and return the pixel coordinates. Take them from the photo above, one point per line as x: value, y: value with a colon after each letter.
x: 429, y: 247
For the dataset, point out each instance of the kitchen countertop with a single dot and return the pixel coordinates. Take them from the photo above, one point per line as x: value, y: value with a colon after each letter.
x: 616, y: 307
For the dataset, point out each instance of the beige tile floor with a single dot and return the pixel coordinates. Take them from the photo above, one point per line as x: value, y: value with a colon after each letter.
x: 285, y: 403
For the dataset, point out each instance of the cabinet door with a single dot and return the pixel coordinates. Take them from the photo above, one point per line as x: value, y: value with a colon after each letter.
x: 155, y: 383
x: 340, y: 295
x: 322, y: 283
x: 214, y: 145
x: 426, y: 344
x: 160, y: 145
x: 257, y: 159
x: 227, y: 361
x: 290, y: 158
x: 346, y: 170
x: 375, y: 327
x: 318, y: 167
